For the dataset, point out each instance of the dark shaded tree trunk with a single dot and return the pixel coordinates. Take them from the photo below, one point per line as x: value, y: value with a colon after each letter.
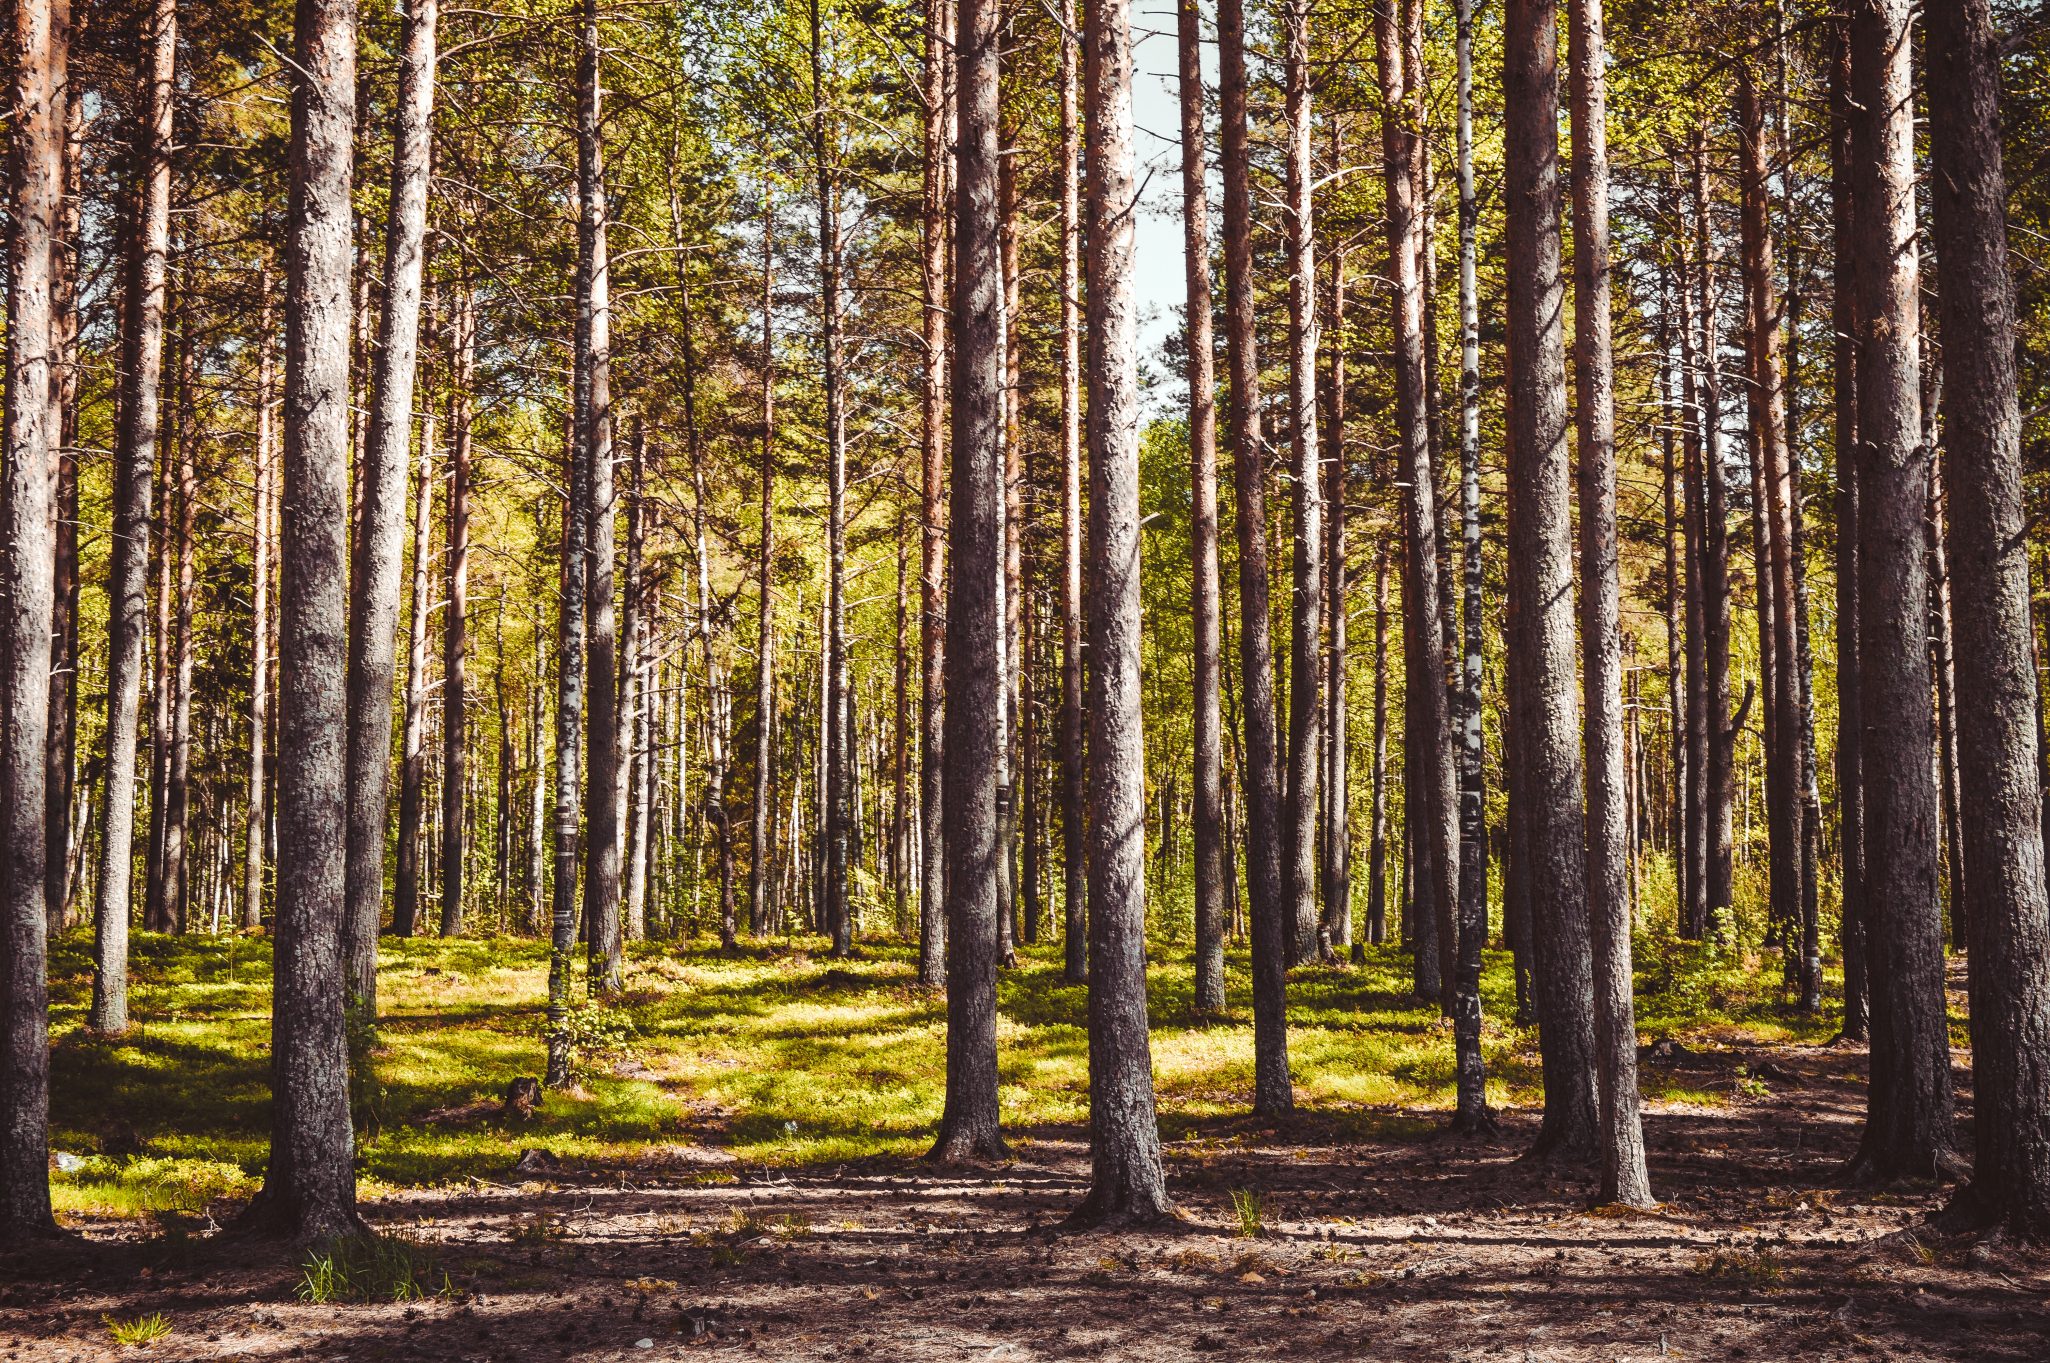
x: 1543, y: 707
x: 135, y: 455
x: 1722, y: 728
x: 1909, y: 1123
x: 1608, y: 850
x: 1273, y: 1093
x: 1377, y: 819
x: 61, y: 759
x: 1074, y: 868
x: 309, y: 1190
x: 40, y: 48
x: 1127, y: 1182
x: 974, y: 683
x: 2009, y: 913
x: 1204, y: 604
x: 381, y: 484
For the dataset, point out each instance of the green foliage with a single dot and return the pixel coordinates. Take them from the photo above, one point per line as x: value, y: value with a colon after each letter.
x: 597, y: 1036
x: 103, y: 1185
x: 139, y: 1333
x: 370, y: 1268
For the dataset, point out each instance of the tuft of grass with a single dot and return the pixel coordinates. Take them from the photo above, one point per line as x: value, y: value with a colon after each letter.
x: 370, y: 1268
x: 1760, y: 1268
x: 139, y: 1333
x: 1251, y: 1210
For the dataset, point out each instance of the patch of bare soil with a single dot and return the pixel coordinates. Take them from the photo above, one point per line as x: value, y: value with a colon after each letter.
x: 1429, y: 1249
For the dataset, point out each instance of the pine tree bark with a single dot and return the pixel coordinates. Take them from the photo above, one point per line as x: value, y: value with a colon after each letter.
x: 405, y: 917
x: 2008, y: 917
x: 135, y: 455
x: 1849, y: 691
x: 1335, y: 871
x: 264, y: 517
x: 40, y: 43
x: 760, y: 845
x: 61, y: 760
x: 182, y: 573
x: 1127, y: 1182
x: 1909, y: 1121
x: 381, y: 483
x: 1431, y: 795
x: 1207, y: 667
x: 455, y: 638
x: 974, y: 684
x: 1273, y: 1093
x: 569, y: 723
x: 1074, y: 868
x: 309, y: 1190
x: 1306, y: 655
x: 939, y: 151
x: 1377, y: 818
x: 1543, y: 706
x: 1623, y: 1177
x: 1721, y: 727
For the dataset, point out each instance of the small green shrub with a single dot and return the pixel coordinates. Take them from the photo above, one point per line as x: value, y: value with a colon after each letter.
x: 594, y: 1036
x: 139, y: 1333
x: 368, y: 1268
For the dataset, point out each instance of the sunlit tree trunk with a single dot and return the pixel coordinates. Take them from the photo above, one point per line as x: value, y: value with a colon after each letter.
x: 1127, y: 1182
x: 455, y: 638
x: 594, y: 435
x: 1849, y: 692
x: 1204, y: 606
x: 309, y: 1190
x: 405, y: 916
x: 760, y: 845
x: 381, y: 484
x: 264, y: 516
x: 939, y: 151
x: 1075, y: 895
x: 40, y: 48
x: 1910, y: 1122
x: 1544, y: 709
x: 1623, y: 1176
x: 974, y: 682
x: 1273, y: 1093
x: 2009, y: 915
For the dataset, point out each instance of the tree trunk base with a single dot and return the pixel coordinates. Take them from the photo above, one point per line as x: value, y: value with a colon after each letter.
x: 968, y: 1150
x: 1870, y: 1168
x: 1121, y: 1209
x: 1479, y: 1126
x: 267, y: 1218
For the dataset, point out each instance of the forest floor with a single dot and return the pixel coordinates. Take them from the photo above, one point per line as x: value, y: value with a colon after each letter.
x: 737, y: 1174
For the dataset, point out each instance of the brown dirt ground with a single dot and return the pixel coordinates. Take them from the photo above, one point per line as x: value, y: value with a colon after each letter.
x: 1408, y: 1249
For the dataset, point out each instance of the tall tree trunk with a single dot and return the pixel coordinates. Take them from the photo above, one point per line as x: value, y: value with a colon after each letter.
x: 1431, y: 795
x: 40, y: 48
x: 455, y: 638
x: 260, y: 611
x: 1127, y: 1182
x: 760, y: 849
x: 61, y: 762
x: 405, y: 915
x: 939, y: 145
x: 1206, y: 592
x: 1623, y: 1176
x: 1849, y: 692
x: 594, y: 434
x: 1273, y: 1093
x: 178, y: 766
x: 2009, y: 914
x: 1909, y: 1124
x: 309, y: 1191
x: 381, y: 483
x: 1009, y: 781
x: 1543, y: 707
x: 1722, y: 728
x: 1306, y: 656
x: 1943, y: 664
x: 1377, y: 821
x: 974, y: 683
x: 569, y: 722
x: 837, y: 787
x: 1472, y: 921
x: 1075, y: 895
x: 1335, y: 872
x: 1774, y: 461
x: 135, y: 454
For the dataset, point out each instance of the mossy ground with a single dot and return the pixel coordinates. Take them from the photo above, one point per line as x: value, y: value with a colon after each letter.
x: 775, y: 1054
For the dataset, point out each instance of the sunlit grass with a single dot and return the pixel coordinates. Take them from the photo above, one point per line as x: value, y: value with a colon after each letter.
x: 775, y: 1053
